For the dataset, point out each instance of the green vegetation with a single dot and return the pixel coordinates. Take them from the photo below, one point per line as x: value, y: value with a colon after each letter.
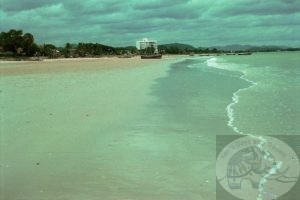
x: 177, y: 48
x: 15, y: 43
x: 90, y: 49
x: 127, y: 51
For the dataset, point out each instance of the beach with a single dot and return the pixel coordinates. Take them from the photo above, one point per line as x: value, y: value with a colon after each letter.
x: 62, y: 120
x: 114, y: 128
x: 68, y: 65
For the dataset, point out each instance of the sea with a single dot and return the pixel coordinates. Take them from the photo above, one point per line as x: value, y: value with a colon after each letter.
x: 141, y: 133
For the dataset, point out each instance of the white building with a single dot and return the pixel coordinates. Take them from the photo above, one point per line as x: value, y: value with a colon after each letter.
x: 145, y: 43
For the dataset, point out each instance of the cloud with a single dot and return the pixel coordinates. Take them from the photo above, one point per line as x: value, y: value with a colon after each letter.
x: 157, y: 4
x: 258, y: 7
x: 16, y: 5
x: 120, y: 22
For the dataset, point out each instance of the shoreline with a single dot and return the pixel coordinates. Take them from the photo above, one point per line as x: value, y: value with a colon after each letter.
x: 76, y: 121
x: 61, y: 65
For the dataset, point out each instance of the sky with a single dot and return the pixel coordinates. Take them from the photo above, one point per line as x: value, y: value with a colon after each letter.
x: 121, y: 22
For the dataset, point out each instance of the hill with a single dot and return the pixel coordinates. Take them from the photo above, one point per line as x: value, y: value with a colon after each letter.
x: 238, y: 47
x: 179, y: 46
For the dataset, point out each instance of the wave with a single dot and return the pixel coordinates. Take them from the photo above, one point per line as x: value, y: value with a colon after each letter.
x: 235, y: 100
x: 212, y: 62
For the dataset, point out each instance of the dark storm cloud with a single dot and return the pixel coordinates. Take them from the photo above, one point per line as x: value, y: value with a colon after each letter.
x: 118, y: 22
x: 157, y: 4
x: 260, y: 7
x: 21, y: 5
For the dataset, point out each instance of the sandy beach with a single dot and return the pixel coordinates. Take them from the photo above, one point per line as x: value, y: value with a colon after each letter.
x: 119, y: 129
x: 149, y: 100
x: 8, y: 68
x: 72, y: 127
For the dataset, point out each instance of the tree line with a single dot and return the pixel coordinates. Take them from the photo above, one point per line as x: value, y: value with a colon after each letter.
x: 178, y: 50
x: 15, y: 43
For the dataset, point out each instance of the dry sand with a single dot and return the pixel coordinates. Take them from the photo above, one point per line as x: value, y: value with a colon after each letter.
x: 9, y: 68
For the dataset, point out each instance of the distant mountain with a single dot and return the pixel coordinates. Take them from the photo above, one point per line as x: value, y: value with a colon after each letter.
x: 233, y: 47
x: 127, y: 47
x: 238, y: 47
x: 268, y: 48
x: 130, y: 47
x: 180, y: 46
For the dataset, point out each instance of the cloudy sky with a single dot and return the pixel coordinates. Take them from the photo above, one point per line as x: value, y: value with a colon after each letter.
x: 122, y: 22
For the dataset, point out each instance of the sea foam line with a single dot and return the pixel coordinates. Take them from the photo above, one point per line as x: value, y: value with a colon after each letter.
x: 212, y: 62
x: 235, y: 100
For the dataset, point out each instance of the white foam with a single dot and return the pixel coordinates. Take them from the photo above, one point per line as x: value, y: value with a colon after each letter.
x: 212, y: 62
x: 192, y: 66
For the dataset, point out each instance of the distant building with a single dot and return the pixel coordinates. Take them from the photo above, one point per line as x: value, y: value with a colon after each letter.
x: 145, y: 43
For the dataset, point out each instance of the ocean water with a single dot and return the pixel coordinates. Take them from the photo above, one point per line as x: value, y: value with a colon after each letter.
x: 139, y: 133
x: 272, y: 104
x: 269, y: 106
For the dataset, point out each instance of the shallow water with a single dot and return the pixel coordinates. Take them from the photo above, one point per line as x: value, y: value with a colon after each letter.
x: 273, y: 104
x: 139, y: 133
